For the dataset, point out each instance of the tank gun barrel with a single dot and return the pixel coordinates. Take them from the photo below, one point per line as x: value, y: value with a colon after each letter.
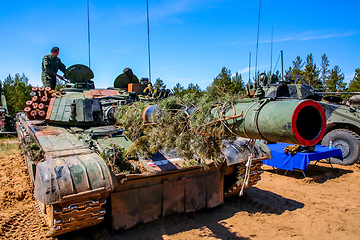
x: 296, y: 122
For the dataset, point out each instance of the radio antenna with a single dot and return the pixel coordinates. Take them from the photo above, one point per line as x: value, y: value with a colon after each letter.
x: 249, y: 67
x: 271, y: 55
x: 257, y: 42
x: 88, y: 22
x: 148, y: 29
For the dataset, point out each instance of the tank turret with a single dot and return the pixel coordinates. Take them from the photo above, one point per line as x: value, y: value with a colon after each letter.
x: 287, y: 89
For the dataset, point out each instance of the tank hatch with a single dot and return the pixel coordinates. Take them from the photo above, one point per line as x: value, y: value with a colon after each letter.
x: 79, y: 77
x: 79, y: 73
x: 125, y: 78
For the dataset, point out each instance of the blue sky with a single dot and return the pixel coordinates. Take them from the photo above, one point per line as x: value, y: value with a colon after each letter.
x: 191, y: 40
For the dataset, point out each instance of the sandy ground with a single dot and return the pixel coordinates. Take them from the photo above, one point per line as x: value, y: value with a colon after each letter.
x: 324, y: 205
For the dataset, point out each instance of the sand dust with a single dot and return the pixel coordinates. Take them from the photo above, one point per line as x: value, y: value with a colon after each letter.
x: 324, y: 205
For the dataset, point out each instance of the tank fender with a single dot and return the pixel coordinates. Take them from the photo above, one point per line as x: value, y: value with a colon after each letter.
x: 71, y: 177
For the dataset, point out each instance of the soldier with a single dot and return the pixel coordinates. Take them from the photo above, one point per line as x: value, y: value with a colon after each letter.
x: 50, y: 65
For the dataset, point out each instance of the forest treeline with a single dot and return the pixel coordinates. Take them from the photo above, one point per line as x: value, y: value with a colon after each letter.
x: 322, y: 77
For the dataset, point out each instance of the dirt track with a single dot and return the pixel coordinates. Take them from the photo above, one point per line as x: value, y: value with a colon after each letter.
x: 325, y: 205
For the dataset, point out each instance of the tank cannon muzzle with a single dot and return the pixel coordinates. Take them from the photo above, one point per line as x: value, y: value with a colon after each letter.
x: 296, y: 122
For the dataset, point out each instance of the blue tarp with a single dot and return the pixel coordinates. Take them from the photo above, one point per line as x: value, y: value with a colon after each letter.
x: 299, y: 160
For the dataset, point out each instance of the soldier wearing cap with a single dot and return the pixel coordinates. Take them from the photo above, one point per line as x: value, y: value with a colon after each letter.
x: 50, y: 65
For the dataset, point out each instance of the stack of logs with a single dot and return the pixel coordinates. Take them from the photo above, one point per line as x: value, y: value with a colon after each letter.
x: 39, y: 103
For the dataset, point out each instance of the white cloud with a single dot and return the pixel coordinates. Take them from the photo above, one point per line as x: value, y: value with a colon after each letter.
x: 252, y: 69
x: 314, y: 34
x: 245, y: 70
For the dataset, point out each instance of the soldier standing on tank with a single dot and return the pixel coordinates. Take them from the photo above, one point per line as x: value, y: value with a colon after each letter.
x: 50, y: 65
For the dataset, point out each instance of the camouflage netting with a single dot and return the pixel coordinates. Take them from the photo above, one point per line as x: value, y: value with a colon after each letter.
x: 192, y: 125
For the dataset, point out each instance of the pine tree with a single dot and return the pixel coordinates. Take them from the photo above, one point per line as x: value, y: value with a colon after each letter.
x: 178, y: 90
x: 296, y: 69
x: 354, y: 85
x: 335, y: 81
x: 159, y: 84
x: 17, y: 92
x: 289, y: 72
x: 311, y: 73
x: 238, y: 85
x: 226, y: 83
x: 223, y: 79
x: 194, y: 88
x: 324, y: 69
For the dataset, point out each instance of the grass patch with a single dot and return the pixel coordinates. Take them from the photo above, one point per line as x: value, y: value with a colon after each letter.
x: 8, y: 145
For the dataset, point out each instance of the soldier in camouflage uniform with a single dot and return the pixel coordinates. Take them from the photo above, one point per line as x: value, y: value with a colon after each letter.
x: 50, y: 65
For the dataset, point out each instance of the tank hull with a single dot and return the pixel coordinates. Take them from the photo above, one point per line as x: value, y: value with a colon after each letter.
x: 76, y: 158
x: 74, y: 184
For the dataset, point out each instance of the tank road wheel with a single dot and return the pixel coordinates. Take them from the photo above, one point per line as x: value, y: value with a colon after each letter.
x: 349, y: 143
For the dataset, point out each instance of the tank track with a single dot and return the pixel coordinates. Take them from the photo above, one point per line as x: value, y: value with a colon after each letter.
x: 255, y: 172
x: 70, y: 216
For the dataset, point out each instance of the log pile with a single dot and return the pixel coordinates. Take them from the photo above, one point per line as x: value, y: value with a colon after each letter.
x: 36, y: 107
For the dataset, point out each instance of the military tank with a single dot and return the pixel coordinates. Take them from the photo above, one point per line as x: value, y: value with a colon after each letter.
x: 7, y: 123
x: 343, y: 121
x: 74, y: 154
